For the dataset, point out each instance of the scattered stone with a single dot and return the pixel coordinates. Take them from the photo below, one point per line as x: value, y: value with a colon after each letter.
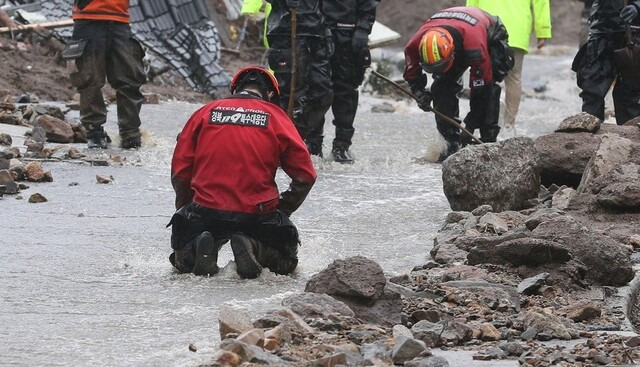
x: 492, y: 223
x: 531, y: 285
x: 151, y: 98
x: 489, y: 332
x: 192, y: 348
x: 104, y: 179
x: 582, y: 122
x: 5, y: 139
x: 37, y: 198
x: 34, y: 172
x: 233, y: 320
x: 313, y: 305
x: 583, y: 311
x: 406, y: 349
x: 384, y: 107
x: 56, y: 130
x: 562, y: 198
x: 433, y: 361
x: 352, y: 277
x: 538, y: 319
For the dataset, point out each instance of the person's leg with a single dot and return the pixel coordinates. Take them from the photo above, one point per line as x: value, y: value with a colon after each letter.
x: 513, y: 89
x: 626, y: 101
x: 490, y: 129
x: 194, y: 245
x: 347, y: 75
x: 445, y: 100
x: 595, y: 75
x: 318, y: 94
x: 125, y: 73
x: 89, y: 80
x: 272, y: 243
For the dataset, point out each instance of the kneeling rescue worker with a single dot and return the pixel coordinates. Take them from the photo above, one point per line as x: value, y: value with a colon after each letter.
x: 223, y: 173
x: 448, y: 43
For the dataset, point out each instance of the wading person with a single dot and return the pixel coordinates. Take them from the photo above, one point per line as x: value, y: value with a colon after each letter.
x: 313, y: 94
x: 518, y: 17
x: 595, y: 64
x: 446, y: 45
x: 223, y: 173
x: 103, y: 47
x: 350, y: 23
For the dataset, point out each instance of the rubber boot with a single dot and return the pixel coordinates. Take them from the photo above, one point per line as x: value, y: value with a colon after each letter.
x: 244, y: 251
x: 206, y: 260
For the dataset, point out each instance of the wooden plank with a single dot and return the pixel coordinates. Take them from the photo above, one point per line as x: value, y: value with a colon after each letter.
x: 56, y: 24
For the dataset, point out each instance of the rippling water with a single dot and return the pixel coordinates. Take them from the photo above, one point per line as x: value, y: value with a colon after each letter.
x: 86, y: 279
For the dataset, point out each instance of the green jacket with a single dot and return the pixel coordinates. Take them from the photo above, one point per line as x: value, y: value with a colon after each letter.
x: 254, y: 7
x: 518, y: 17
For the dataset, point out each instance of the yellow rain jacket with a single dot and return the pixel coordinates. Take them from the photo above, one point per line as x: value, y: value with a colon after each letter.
x: 253, y: 7
x: 518, y: 17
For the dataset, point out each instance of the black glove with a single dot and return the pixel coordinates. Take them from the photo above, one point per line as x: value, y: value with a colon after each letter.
x: 293, y: 3
x: 629, y: 13
x: 359, y: 41
x: 424, y: 98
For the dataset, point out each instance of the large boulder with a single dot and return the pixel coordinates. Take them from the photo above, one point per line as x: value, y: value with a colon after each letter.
x: 564, y: 156
x: 504, y: 175
x: 608, y: 262
x: 361, y: 285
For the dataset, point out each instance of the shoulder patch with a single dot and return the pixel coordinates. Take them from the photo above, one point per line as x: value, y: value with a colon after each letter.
x: 239, y: 116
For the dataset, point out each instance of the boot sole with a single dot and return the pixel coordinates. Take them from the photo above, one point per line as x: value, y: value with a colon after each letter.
x: 246, y: 263
x: 206, y: 256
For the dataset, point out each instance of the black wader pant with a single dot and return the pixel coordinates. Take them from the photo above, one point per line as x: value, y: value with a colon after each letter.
x: 445, y: 89
x: 313, y: 92
x: 347, y: 73
x: 596, y: 70
x: 277, y: 236
x: 109, y: 52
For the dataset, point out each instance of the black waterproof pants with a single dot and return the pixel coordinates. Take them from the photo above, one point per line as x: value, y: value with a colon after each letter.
x: 276, y: 234
x: 596, y: 70
x: 313, y: 92
x: 445, y: 89
x: 109, y: 52
x: 347, y: 73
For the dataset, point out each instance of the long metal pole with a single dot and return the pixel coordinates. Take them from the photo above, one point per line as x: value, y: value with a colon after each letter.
x: 294, y: 63
x: 438, y: 113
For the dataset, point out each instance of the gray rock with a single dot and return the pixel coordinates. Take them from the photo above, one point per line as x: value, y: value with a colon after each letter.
x: 406, y: 349
x: 563, y: 157
x: 57, y: 130
x: 428, y: 332
x: 623, y: 196
x: 386, y: 310
x: 5, y: 139
x: 536, y: 318
x: 531, y: 285
x: 523, y: 251
x: 505, y: 175
x: 562, y: 198
x: 613, y: 150
x: 542, y: 215
x: 492, y: 223
x: 314, y: 305
x: 512, y: 348
x: 7, y: 181
x: 608, y: 262
x: 529, y: 334
x: 433, y: 361
x: 482, y: 210
x: 352, y: 277
x: 582, y: 122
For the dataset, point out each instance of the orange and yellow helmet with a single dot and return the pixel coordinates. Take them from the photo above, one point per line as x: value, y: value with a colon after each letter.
x: 436, y: 50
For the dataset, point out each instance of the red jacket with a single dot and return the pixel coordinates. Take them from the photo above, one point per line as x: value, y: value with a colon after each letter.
x: 472, y: 25
x: 230, y: 150
x: 115, y: 10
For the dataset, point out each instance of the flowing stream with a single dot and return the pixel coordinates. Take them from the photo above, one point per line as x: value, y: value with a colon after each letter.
x: 86, y: 278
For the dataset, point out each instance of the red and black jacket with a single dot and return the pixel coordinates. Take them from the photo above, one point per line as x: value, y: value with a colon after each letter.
x: 229, y: 152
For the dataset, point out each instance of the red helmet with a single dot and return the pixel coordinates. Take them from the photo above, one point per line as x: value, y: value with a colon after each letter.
x: 436, y: 50
x: 256, y: 75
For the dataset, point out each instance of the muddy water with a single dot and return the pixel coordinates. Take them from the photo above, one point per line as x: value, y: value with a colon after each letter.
x: 85, y: 276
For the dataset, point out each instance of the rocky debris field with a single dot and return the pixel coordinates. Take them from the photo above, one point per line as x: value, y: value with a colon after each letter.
x: 542, y: 280
x: 48, y: 135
